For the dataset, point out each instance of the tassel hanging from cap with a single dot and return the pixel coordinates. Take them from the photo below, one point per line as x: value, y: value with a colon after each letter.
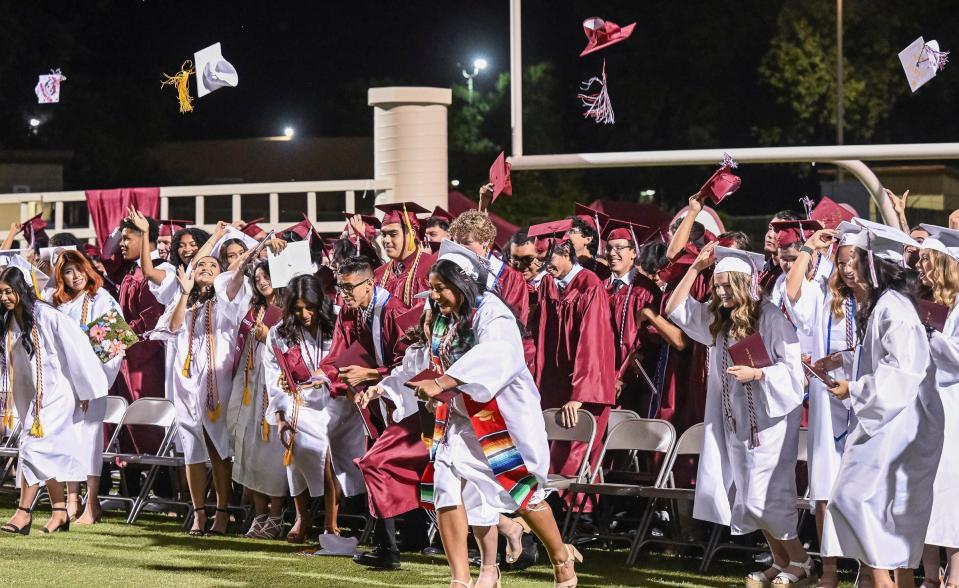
x: 33, y: 278
x: 411, y: 239
x: 729, y: 162
x: 937, y: 59
x: 598, y: 106
x: 872, y: 261
x: 182, y: 83
x: 807, y: 205
x: 265, y: 432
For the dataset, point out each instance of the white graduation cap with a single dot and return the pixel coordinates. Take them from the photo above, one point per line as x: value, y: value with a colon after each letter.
x: 921, y: 60
x: 472, y: 265
x: 233, y: 233
x: 852, y: 234
x: 737, y: 260
x: 212, y: 71
x: 52, y: 254
x: 30, y: 273
x: 293, y: 261
x: 941, y: 239
x: 48, y: 87
x: 884, y: 241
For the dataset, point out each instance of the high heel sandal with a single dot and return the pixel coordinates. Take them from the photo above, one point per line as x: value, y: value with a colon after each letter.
x: 498, y: 575
x: 467, y: 584
x: 15, y: 530
x: 510, y: 558
x: 574, y: 555
x: 213, y: 533
x: 62, y: 527
x: 788, y: 579
x: 200, y: 530
x: 256, y: 528
x: 306, y: 524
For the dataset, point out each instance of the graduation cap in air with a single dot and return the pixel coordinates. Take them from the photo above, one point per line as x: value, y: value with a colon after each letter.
x: 48, y: 87
x: 213, y: 71
x: 33, y: 230
x: 616, y: 229
x: 830, y: 213
x: 791, y: 232
x: 722, y: 183
x: 253, y: 229
x: 169, y: 227
x: 941, y: 239
x: 499, y: 176
x: 546, y: 235
x: 600, y: 34
x: 921, y: 61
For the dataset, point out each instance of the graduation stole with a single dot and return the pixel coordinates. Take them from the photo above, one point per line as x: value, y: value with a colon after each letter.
x: 213, y: 407
x: 296, y: 370
x: 247, y: 395
x: 410, y: 276
x: 6, y: 371
x: 487, y: 420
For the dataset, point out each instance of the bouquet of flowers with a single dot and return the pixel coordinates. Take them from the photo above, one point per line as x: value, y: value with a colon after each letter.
x: 110, y: 335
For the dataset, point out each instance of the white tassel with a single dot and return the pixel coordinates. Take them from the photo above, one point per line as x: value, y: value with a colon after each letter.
x: 598, y: 106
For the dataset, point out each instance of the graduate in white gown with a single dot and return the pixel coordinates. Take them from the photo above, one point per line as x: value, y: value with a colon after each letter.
x: 823, y: 310
x: 880, y: 504
x: 48, y: 367
x: 939, y: 271
x: 474, y: 342
x: 298, y: 410
x: 203, y: 324
x: 747, y: 467
x: 79, y: 295
x: 257, y: 451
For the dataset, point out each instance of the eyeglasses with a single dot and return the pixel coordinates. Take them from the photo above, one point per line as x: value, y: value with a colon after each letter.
x: 524, y: 261
x: 344, y: 288
x: 574, y: 232
x: 618, y: 248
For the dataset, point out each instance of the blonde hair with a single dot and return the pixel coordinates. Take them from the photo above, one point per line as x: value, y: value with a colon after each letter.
x: 473, y: 224
x: 944, y: 277
x: 742, y: 319
x: 837, y: 286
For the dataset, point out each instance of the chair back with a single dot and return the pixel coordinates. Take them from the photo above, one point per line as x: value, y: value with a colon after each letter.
x: 618, y: 415
x: 584, y: 432
x: 158, y: 412
x: 803, y: 445
x: 641, y: 435
x: 116, y: 408
x: 689, y: 443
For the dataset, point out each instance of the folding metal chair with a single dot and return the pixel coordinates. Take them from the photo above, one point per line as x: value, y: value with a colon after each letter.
x: 616, y: 416
x: 690, y: 444
x: 583, y: 432
x: 156, y: 412
x: 632, y: 435
x: 9, y: 452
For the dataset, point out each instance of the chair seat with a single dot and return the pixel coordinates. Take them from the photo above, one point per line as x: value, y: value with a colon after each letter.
x: 9, y: 451
x: 668, y: 493
x: 134, y: 458
x: 608, y: 489
x: 559, y: 482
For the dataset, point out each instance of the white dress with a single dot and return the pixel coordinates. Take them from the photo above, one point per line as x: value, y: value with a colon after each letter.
x: 70, y: 371
x: 311, y: 442
x: 191, y: 392
x: 882, y: 498
x: 166, y: 294
x: 749, y: 488
x: 493, y: 368
x: 89, y: 447
x: 944, y: 523
x: 830, y: 420
x: 257, y: 461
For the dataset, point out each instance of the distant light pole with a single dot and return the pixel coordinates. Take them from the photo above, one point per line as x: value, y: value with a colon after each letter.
x: 289, y: 132
x: 479, y: 65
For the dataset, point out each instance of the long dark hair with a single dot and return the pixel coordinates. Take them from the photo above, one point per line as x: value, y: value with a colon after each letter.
x: 198, y: 295
x: 199, y: 235
x: 259, y: 300
x: 307, y: 289
x: 889, y: 276
x: 28, y: 301
x: 222, y: 257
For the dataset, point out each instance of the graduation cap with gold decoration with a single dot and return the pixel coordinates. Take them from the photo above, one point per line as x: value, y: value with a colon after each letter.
x: 404, y: 213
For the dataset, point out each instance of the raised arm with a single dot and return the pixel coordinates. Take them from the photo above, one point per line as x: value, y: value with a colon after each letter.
x: 179, y: 312
x: 152, y: 274
x: 8, y: 240
x: 206, y: 248
x: 797, y: 273
x: 681, y: 293
x: 681, y: 237
x: 899, y: 205
x: 670, y: 333
x: 236, y: 281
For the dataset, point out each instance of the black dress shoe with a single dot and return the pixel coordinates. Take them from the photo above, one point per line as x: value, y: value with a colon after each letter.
x: 381, y: 558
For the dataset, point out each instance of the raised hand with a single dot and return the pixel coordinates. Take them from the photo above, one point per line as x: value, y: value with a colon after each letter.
x: 186, y: 281
x: 705, y: 258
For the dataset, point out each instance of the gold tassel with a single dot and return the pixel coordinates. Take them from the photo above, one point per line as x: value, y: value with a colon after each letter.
x: 8, y: 419
x: 33, y: 278
x: 186, y: 364
x: 215, y: 413
x: 247, y: 395
x: 428, y: 441
x: 182, y: 82
x: 288, y: 455
x: 37, y: 429
x: 411, y: 240
x: 266, y: 430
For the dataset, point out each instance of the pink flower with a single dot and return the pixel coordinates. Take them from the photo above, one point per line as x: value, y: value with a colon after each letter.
x: 97, y: 333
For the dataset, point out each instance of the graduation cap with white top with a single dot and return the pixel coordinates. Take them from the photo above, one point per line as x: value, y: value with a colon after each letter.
x: 30, y: 273
x: 853, y: 235
x: 884, y: 242
x: 472, y: 265
x: 233, y: 233
x: 942, y: 240
x: 921, y: 61
x: 213, y: 71
x: 737, y: 260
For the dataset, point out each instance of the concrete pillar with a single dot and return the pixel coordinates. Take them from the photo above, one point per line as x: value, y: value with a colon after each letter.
x: 409, y: 143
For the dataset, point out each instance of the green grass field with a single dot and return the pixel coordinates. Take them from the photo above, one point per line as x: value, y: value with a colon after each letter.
x: 156, y: 552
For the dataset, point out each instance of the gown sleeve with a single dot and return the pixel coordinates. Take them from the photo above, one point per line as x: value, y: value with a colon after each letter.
x: 233, y: 310
x: 944, y: 348
x: 415, y: 360
x: 901, y: 362
x: 782, y: 388
x: 804, y: 312
x: 165, y: 292
x: 279, y: 399
x: 693, y: 317
x: 80, y: 364
x: 494, y: 360
x: 594, y: 371
x: 162, y: 331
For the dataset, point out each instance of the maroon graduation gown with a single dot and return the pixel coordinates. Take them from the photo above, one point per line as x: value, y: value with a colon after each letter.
x: 575, y: 358
x: 634, y: 339
x: 395, y: 276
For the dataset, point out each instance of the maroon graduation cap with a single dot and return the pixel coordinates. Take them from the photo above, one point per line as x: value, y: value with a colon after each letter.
x: 722, y: 183
x: 252, y: 229
x: 169, y: 227
x: 619, y: 229
x: 592, y: 216
x: 398, y: 212
x: 33, y: 229
x: 499, y: 176
x: 355, y: 354
x: 830, y: 214
x: 603, y: 33
x: 790, y: 232
x: 369, y: 219
x: 551, y: 233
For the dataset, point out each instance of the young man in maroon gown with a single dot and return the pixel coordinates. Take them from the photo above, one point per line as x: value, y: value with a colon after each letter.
x: 574, y: 346
x: 408, y: 270
x: 588, y: 225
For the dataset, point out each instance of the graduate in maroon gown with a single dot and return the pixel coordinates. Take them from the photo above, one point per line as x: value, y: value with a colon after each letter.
x: 574, y: 346
x: 588, y: 225
x: 637, y: 347
x: 143, y: 366
x: 408, y: 269
x: 772, y: 271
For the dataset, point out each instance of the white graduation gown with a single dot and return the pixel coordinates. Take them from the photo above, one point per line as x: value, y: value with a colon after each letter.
x: 190, y: 392
x: 166, y: 294
x: 830, y: 420
x: 70, y: 372
x: 749, y: 489
x: 89, y: 447
x: 944, y: 523
x: 882, y: 498
x: 493, y: 368
x: 257, y: 463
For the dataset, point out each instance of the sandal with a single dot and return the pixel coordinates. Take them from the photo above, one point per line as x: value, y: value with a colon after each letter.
x: 15, y: 530
x: 511, y: 558
x: 62, y: 527
x: 272, y: 528
x: 498, y: 575
x: 256, y: 528
x: 930, y: 583
x: 788, y: 579
x: 574, y: 555
x: 760, y: 579
x: 306, y: 524
x: 198, y: 532
x: 213, y: 533
x: 467, y: 584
